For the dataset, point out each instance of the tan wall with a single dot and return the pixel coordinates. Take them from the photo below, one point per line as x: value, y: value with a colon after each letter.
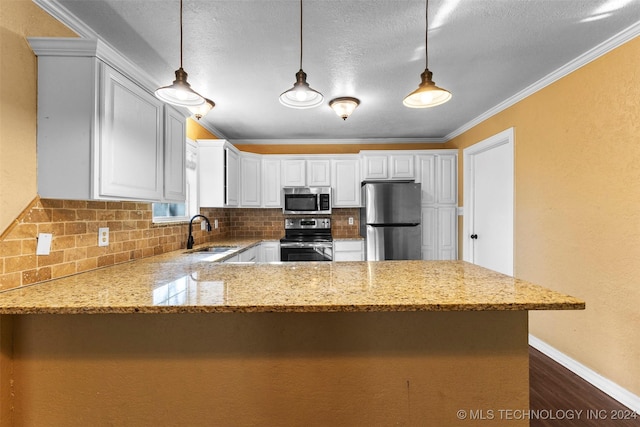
x: 268, y: 369
x: 18, y: 77
x: 577, y: 213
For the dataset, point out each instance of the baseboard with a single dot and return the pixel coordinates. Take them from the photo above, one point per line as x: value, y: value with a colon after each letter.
x: 618, y: 393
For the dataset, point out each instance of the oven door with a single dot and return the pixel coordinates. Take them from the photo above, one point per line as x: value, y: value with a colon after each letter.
x: 304, y: 251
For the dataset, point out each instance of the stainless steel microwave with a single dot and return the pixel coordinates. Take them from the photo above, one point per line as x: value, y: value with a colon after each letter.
x: 307, y: 200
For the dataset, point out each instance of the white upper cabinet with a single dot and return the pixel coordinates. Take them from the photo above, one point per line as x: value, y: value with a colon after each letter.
x: 319, y: 173
x: 302, y: 172
x: 375, y: 166
x: 383, y: 165
x: 346, y: 182
x: 250, y: 179
x: 294, y: 173
x: 219, y: 173
x: 100, y: 134
x: 271, y: 187
x: 438, y: 176
x: 174, y: 155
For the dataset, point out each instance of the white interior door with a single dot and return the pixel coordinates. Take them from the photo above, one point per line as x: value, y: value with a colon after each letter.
x: 489, y: 200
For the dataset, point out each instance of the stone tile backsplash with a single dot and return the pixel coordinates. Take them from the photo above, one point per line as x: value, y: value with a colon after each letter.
x: 132, y: 235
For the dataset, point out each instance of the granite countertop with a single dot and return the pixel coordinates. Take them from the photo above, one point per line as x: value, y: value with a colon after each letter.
x: 195, y: 282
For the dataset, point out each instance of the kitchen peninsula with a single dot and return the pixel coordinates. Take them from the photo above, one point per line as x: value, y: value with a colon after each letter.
x: 177, y: 339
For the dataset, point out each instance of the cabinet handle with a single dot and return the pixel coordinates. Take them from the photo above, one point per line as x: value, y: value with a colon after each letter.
x: 474, y: 236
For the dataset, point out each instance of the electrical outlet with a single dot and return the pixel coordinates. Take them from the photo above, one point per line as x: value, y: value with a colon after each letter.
x: 203, y: 225
x: 44, y: 244
x: 215, y: 223
x: 103, y: 236
x: 350, y: 220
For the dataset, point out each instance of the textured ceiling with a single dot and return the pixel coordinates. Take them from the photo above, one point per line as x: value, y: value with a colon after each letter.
x: 242, y: 54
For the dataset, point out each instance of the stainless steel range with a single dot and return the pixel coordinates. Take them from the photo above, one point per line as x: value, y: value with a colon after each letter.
x: 307, y: 239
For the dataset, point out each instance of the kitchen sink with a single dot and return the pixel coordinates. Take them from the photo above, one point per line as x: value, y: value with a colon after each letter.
x: 217, y: 249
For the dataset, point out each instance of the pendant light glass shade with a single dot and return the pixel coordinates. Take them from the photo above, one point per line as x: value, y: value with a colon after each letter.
x: 344, y: 106
x: 301, y: 95
x: 202, y: 110
x: 427, y: 94
x: 179, y: 92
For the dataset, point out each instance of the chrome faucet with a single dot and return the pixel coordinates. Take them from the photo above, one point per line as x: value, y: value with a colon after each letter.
x: 190, y: 238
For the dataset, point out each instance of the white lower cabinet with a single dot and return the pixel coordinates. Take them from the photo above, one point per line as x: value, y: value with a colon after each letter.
x: 269, y: 251
x: 348, y: 250
x: 439, y: 233
x: 249, y: 255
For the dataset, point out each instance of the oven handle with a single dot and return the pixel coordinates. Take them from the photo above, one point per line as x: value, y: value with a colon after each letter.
x: 306, y: 245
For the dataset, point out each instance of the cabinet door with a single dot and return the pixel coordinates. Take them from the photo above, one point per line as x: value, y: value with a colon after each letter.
x: 348, y: 250
x: 447, y: 170
x: 318, y: 173
x: 428, y: 179
x: 174, y: 155
x: 346, y: 183
x: 294, y: 173
x: 232, y: 177
x: 269, y: 252
x: 250, y: 179
x: 447, y: 233
x: 429, y: 233
x: 401, y: 166
x: 131, y: 143
x: 271, y: 187
x: 375, y: 167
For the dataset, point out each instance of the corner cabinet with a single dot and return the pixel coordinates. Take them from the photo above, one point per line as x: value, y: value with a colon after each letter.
x: 218, y: 173
x: 437, y: 174
x: 101, y: 135
x: 250, y: 179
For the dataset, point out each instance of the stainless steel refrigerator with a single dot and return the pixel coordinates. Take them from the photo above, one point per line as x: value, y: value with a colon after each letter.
x: 390, y: 220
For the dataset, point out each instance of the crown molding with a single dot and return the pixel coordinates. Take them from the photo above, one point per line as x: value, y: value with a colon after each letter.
x: 333, y: 141
x: 608, y: 45
x: 83, y: 46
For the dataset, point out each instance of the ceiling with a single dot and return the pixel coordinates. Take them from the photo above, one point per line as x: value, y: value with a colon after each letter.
x: 242, y: 54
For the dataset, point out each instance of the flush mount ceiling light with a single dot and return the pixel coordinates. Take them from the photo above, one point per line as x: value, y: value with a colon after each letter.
x: 202, y: 110
x: 180, y: 93
x: 301, y: 95
x: 344, y: 106
x: 427, y: 94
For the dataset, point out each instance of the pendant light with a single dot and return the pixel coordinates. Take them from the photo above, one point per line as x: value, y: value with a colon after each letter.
x: 202, y: 110
x: 427, y: 94
x: 301, y: 95
x: 180, y: 92
x: 344, y: 106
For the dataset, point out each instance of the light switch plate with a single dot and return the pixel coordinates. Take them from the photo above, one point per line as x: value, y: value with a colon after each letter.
x: 103, y: 236
x: 44, y: 244
x: 215, y: 223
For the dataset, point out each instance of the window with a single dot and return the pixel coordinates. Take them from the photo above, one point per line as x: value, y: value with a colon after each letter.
x: 175, y: 212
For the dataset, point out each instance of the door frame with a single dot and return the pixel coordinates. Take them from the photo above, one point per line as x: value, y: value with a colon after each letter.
x: 505, y: 137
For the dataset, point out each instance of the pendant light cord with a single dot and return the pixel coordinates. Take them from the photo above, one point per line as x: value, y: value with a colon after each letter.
x: 300, y: 34
x: 180, y: 33
x: 426, y: 32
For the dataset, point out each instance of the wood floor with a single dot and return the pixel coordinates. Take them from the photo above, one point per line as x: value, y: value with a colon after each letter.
x: 557, y: 396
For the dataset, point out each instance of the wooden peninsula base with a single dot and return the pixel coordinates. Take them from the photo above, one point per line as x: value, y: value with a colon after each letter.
x: 436, y: 368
